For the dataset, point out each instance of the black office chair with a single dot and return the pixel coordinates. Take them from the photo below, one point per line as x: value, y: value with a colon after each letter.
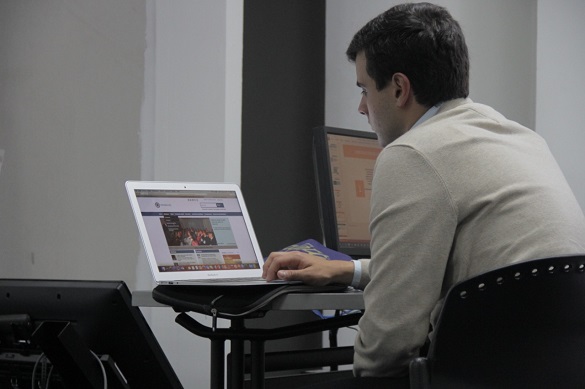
x: 521, y: 326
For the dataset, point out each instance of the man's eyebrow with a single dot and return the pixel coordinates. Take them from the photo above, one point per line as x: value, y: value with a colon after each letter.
x: 360, y: 85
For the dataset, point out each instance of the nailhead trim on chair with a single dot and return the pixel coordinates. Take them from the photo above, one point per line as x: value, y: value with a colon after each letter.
x: 535, y: 272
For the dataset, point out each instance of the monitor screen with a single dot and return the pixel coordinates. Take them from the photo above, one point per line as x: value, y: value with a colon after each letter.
x: 344, y: 165
x: 77, y: 334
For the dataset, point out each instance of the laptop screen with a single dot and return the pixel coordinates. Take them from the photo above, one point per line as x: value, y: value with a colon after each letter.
x: 196, y: 230
x: 344, y: 163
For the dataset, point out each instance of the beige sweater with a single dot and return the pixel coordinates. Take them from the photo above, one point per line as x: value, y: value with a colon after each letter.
x: 465, y: 192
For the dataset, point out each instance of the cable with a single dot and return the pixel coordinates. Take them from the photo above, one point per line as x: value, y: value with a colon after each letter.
x: 34, y: 372
x: 49, y: 377
x: 103, y: 369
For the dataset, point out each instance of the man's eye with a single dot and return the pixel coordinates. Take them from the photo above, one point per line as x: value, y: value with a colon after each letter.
x: 364, y: 93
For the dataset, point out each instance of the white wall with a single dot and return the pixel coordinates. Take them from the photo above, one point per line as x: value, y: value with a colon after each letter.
x: 71, y: 84
x: 561, y: 86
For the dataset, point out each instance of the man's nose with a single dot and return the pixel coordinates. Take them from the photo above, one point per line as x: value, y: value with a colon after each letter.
x: 362, y: 107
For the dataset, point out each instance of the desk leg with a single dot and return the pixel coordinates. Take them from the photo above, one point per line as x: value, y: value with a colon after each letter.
x: 257, y: 365
x: 217, y: 364
x: 236, y: 379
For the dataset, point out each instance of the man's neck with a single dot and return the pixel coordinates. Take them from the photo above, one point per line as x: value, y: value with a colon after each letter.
x: 414, y: 114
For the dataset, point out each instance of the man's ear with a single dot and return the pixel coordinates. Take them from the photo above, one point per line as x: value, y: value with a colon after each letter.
x: 402, y: 90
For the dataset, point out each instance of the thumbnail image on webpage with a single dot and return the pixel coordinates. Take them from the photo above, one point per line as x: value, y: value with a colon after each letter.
x: 201, y: 243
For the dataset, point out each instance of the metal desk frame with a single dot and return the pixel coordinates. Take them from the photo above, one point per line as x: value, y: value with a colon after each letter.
x: 237, y: 333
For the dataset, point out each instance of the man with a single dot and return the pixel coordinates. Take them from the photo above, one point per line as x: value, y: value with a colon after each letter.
x: 458, y: 189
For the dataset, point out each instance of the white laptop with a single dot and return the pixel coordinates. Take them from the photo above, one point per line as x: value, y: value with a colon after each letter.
x: 196, y: 233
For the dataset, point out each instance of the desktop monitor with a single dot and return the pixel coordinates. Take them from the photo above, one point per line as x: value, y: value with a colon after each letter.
x: 75, y: 324
x: 344, y: 164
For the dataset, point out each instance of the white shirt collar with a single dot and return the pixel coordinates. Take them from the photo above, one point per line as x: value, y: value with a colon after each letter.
x: 427, y: 115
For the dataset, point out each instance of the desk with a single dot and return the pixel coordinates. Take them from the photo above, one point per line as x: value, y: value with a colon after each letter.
x: 350, y: 299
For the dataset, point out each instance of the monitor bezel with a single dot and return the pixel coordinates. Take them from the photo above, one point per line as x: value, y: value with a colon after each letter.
x: 102, y: 314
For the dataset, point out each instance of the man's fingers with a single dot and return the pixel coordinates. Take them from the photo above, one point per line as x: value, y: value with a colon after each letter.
x: 287, y: 275
x: 274, y: 263
x: 290, y: 266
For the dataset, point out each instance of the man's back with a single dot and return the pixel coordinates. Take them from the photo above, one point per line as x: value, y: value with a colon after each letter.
x: 509, y: 196
x: 465, y: 192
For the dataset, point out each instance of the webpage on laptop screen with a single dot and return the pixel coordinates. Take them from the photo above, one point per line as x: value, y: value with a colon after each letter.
x: 196, y: 231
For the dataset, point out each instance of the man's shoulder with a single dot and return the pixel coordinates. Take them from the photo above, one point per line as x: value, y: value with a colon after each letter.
x: 456, y: 121
x: 455, y: 113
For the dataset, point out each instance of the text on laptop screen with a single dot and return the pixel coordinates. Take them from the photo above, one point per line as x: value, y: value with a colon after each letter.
x: 345, y: 168
x: 196, y: 230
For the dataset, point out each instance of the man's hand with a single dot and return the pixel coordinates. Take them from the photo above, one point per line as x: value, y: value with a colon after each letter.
x: 310, y: 269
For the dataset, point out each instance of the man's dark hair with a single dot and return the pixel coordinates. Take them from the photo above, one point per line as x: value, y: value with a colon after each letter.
x: 422, y: 41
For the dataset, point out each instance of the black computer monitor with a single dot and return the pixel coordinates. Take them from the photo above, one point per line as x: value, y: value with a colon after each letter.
x: 73, y: 324
x: 344, y: 165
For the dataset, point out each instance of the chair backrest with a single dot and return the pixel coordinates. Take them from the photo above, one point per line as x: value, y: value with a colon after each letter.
x: 522, y: 326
